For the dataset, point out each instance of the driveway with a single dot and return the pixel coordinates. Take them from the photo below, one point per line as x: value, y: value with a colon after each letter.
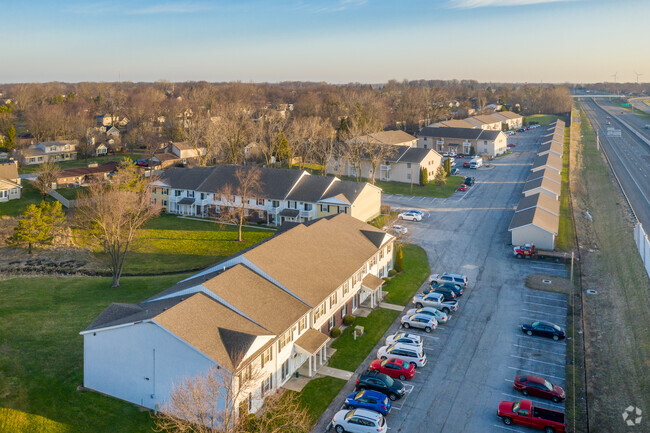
x: 472, y: 357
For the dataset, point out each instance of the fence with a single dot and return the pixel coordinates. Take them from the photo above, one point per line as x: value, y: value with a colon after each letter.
x: 643, y: 245
x: 64, y: 201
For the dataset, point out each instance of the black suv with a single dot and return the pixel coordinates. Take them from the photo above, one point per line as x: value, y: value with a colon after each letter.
x: 456, y: 288
x: 446, y: 292
x: 380, y: 382
x: 469, y: 181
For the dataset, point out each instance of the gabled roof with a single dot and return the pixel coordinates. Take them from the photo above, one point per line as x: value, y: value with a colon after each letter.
x: 550, y: 147
x: 455, y: 123
x: 507, y: 115
x: 459, y: 133
x: 548, y: 173
x: 539, y: 200
x: 548, y: 160
x: 484, y: 119
x: 9, y: 170
x: 537, y: 217
x: 388, y: 137
x: 346, y: 190
x: 415, y: 155
x: 543, y: 183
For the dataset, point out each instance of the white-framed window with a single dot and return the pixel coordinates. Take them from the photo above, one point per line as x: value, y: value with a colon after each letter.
x: 285, y: 339
x: 190, y: 194
x: 267, y: 384
x: 285, y: 369
x: 267, y: 356
x: 331, y: 322
x: 319, y: 311
x: 324, y: 208
x: 408, y: 165
x: 344, y: 311
x: 260, y: 202
x: 346, y: 288
x: 177, y: 193
x: 302, y: 324
x: 408, y: 176
x: 333, y: 300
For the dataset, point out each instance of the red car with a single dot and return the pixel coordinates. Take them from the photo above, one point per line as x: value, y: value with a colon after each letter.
x: 525, y: 413
x: 466, y: 164
x: 462, y: 187
x: 539, y: 387
x: 512, y: 145
x: 460, y: 155
x: 394, y: 367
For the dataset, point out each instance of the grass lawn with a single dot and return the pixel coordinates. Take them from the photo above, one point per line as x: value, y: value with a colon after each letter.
x: 566, y: 232
x: 82, y: 162
x: 30, y: 195
x: 542, y: 119
x: 70, y: 193
x: 350, y: 352
x: 172, y: 244
x: 402, y: 287
x: 383, y: 220
x: 430, y: 190
x: 41, y: 354
x: 317, y: 395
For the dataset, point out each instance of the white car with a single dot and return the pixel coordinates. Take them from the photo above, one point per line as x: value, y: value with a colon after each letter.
x: 434, y: 312
x: 406, y: 353
x: 359, y: 421
x: 404, y: 338
x: 447, y: 277
x: 399, y: 230
x: 410, y: 216
x: 435, y: 300
x: 421, y: 321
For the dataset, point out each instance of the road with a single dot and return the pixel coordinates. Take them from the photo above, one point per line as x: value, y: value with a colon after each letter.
x: 640, y: 104
x: 628, y: 154
x: 474, y: 358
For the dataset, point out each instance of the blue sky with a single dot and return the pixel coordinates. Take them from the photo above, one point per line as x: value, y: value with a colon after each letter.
x: 337, y: 41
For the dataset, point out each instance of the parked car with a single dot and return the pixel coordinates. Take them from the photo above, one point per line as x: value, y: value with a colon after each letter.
x: 521, y: 130
x: 142, y: 163
x: 544, y: 329
x: 460, y: 155
x: 524, y: 413
x: 395, y: 367
x: 419, y: 212
x: 404, y: 338
x: 359, y: 421
x: 421, y: 321
x: 399, y: 230
x: 406, y: 353
x: 449, y: 278
x: 466, y: 164
x: 380, y: 382
x: 456, y: 288
x: 469, y: 181
x: 435, y: 300
x: 410, y: 216
x: 434, y: 312
x: 462, y: 187
x: 539, y: 387
x: 370, y: 400
x: 455, y: 171
x: 447, y: 293
x: 511, y: 145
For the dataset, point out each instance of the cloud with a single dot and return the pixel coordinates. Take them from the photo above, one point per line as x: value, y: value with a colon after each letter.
x: 472, y: 4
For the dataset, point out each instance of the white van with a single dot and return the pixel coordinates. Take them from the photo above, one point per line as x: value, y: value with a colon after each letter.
x: 476, y: 163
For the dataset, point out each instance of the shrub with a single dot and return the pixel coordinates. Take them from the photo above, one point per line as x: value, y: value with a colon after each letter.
x: 392, y: 273
x: 335, y: 332
x: 386, y: 279
x: 399, y: 261
x: 472, y: 151
x: 424, y: 177
x: 385, y: 209
x: 348, y: 320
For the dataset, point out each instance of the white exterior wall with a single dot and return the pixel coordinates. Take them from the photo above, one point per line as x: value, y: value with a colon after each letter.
x: 530, y: 233
x: 118, y: 362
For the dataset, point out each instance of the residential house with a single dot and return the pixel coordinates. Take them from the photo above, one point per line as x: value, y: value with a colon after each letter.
x: 554, y: 138
x: 403, y: 164
x: 74, y: 177
x: 285, y: 196
x: 10, y: 188
x: 485, y: 121
x: 542, y: 185
x: 262, y: 313
x: 547, y: 173
x: 548, y: 160
x: 462, y: 140
x: 112, y: 132
x: 454, y: 123
x: 510, y: 119
x: 100, y: 149
x: 55, y: 151
x: 539, y: 200
x: 550, y: 147
x: 396, y: 138
x: 185, y: 150
x: 535, y: 225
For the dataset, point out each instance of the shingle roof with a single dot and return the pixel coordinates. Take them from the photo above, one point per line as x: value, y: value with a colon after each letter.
x: 311, y: 341
x: 539, y: 200
x: 120, y: 313
x: 460, y: 133
x: 538, y: 217
x: 549, y: 160
x: 547, y: 173
x: 550, y: 146
x: 507, y: 114
x: 346, y: 190
x: 311, y: 188
x: 388, y: 137
x: 9, y: 170
x: 455, y: 123
x: 484, y: 118
x: 415, y: 155
x: 372, y: 282
x: 543, y: 183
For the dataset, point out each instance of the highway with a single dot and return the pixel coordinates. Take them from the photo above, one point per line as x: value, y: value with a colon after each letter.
x: 628, y: 154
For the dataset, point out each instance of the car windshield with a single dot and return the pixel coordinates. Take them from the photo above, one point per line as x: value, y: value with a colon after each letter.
x: 557, y: 328
x: 515, y: 407
x: 548, y: 385
x: 389, y: 381
x: 359, y: 395
x: 384, y: 362
x: 535, y: 324
x: 349, y: 415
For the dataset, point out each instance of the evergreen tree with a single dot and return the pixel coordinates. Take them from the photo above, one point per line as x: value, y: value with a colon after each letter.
x: 424, y: 177
x: 448, y: 167
x: 399, y: 261
x: 10, y: 141
x: 38, y: 225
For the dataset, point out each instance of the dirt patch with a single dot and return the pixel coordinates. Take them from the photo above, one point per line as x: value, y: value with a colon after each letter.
x: 549, y: 283
x: 57, y: 260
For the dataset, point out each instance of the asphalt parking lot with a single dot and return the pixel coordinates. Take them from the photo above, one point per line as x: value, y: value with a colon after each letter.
x: 474, y: 358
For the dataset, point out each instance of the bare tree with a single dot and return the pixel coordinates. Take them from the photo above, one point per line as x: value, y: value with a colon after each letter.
x: 324, y: 145
x: 270, y: 135
x: 114, y: 213
x: 247, y: 185
x: 234, y: 131
x: 377, y: 152
x: 47, y: 176
x: 46, y: 122
x: 202, y: 135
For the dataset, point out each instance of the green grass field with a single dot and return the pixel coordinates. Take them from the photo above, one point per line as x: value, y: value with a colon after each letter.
x: 41, y: 354
x: 172, y: 244
x: 430, y: 190
x: 317, y: 395
x: 30, y: 195
x: 402, y: 287
x: 542, y: 119
x: 566, y: 231
x: 82, y: 162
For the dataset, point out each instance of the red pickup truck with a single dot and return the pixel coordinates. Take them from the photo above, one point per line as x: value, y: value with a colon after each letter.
x: 524, y: 413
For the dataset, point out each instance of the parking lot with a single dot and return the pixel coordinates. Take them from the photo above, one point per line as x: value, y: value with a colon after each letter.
x: 474, y: 358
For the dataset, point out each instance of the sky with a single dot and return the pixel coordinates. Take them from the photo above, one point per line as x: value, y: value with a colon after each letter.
x: 337, y: 41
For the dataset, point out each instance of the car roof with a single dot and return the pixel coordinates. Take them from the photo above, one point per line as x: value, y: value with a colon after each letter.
x: 401, y: 346
x: 370, y: 414
x: 422, y: 316
x: 449, y: 274
x: 432, y: 294
x: 370, y: 393
x: 404, y: 334
x: 433, y: 310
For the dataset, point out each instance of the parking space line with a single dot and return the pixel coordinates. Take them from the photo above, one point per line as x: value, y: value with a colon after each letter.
x: 543, y: 312
x: 552, y: 298
x: 540, y: 362
x: 559, y: 406
x: 536, y: 320
x: 543, y: 341
x: 506, y: 428
x: 546, y: 305
x: 540, y: 350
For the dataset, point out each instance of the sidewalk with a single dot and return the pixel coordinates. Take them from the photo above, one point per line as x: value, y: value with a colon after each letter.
x: 388, y: 306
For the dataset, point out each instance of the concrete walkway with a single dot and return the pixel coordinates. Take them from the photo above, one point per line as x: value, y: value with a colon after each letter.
x: 388, y: 306
x: 335, y: 372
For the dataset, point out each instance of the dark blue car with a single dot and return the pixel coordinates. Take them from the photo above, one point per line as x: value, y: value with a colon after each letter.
x: 371, y: 400
x: 455, y: 288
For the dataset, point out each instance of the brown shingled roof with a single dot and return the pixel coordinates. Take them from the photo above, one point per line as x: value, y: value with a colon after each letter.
x: 544, y: 183
x: 539, y: 200
x: 311, y: 341
x: 548, y: 160
x: 538, y: 217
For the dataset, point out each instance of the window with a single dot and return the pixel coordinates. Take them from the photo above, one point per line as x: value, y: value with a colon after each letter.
x: 388, y: 248
x: 267, y: 356
x: 381, y: 254
x: 344, y: 311
x: 190, y: 194
x: 408, y: 175
x: 319, y: 311
x: 202, y: 196
x: 330, y: 323
x: 285, y: 339
x: 308, y: 206
x: 333, y: 300
x: 267, y: 384
x: 245, y: 374
x: 408, y: 165
x: 346, y: 288
x: 276, y: 203
x: 177, y: 193
x: 260, y: 202
x: 425, y: 139
x: 324, y: 208
x: 164, y: 202
x: 302, y: 325
x: 153, y: 201
x: 233, y: 198
x: 285, y: 369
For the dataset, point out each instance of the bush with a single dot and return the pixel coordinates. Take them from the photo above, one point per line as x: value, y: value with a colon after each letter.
x: 392, y: 273
x: 335, y: 332
x: 424, y: 177
x: 472, y: 151
x: 386, y: 279
x: 348, y: 320
x: 385, y: 209
x: 399, y: 261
